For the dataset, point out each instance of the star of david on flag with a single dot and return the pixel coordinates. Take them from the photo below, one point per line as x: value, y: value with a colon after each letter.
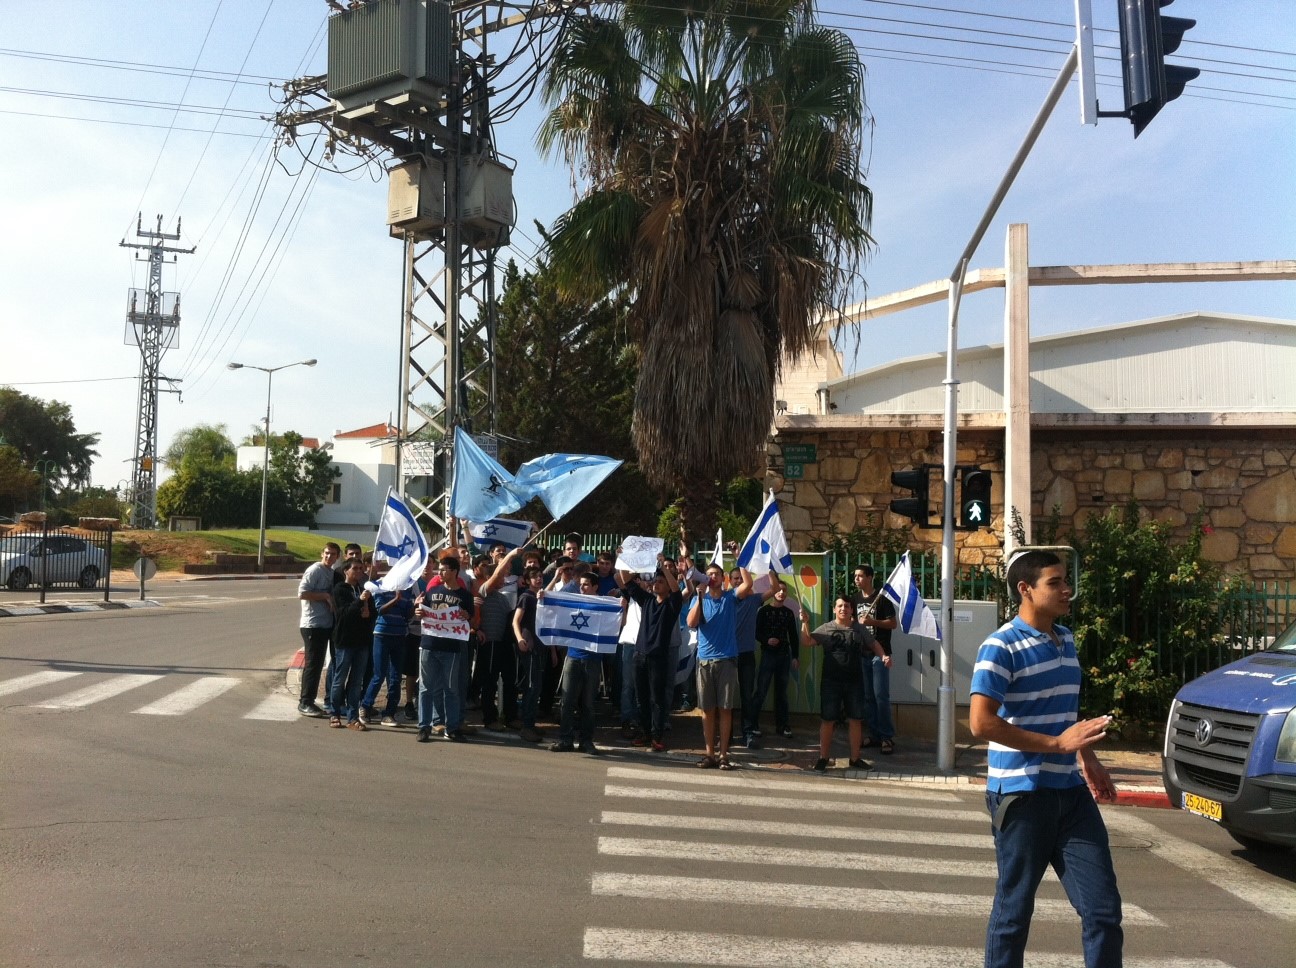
x: 766, y: 547
x: 401, y: 544
x: 501, y: 531
x: 584, y: 622
x: 912, y: 613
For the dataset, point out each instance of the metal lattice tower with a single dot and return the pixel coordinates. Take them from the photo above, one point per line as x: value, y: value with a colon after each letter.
x: 152, y: 320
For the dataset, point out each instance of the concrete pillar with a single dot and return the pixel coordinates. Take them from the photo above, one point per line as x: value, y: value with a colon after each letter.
x: 1017, y: 406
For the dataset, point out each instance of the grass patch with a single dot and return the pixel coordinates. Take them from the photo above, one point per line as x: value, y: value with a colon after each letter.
x: 172, y: 550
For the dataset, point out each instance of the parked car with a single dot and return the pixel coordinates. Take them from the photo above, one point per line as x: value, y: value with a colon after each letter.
x: 1230, y: 747
x: 64, y: 558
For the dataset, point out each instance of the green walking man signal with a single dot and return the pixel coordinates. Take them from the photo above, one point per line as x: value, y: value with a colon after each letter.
x: 974, y: 503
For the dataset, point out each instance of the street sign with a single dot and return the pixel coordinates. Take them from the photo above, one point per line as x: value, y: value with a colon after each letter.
x: 144, y: 568
x: 794, y: 472
x: 800, y: 454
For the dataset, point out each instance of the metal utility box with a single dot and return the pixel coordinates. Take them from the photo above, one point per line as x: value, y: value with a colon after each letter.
x: 485, y: 202
x: 385, y: 48
x: 915, y: 662
x: 416, y: 196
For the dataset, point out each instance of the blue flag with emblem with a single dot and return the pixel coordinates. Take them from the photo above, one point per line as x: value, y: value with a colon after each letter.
x: 482, y: 489
x: 587, y: 622
x: 562, y: 481
x: 401, y: 544
x: 912, y: 614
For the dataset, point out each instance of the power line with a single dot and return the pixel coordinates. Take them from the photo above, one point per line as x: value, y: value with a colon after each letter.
x: 139, y: 68
x: 130, y: 124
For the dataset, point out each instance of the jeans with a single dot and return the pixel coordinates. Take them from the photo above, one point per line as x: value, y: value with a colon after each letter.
x: 775, y: 667
x: 652, y: 680
x: 877, y: 699
x: 496, y: 661
x: 388, y: 659
x: 1062, y: 828
x: 315, y: 643
x: 747, y: 692
x: 579, y: 683
x: 440, y: 701
x: 531, y: 666
x: 630, y: 705
x: 348, y: 681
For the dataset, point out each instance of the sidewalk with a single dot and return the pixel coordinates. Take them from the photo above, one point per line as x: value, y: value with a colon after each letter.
x: 1136, y: 772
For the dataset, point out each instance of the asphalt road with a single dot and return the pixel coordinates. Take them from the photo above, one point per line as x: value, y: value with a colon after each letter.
x: 146, y: 820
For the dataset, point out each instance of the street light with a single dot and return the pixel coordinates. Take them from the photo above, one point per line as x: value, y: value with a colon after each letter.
x: 269, y: 371
x: 43, y: 469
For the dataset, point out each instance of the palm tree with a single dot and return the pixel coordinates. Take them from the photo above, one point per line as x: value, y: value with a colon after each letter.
x: 720, y: 140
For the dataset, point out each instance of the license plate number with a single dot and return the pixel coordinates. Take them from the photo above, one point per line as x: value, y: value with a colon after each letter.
x: 1210, y: 809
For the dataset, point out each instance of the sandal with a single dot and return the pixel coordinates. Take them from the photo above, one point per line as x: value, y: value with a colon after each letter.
x: 726, y: 763
x: 708, y: 763
x: 888, y: 747
x: 335, y: 722
x: 868, y: 742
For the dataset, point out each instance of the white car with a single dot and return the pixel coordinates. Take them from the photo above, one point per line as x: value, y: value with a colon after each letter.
x: 63, y: 557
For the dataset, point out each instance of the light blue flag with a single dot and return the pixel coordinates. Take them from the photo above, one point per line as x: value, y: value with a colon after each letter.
x: 401, y: 543
x: 587, y: 622
x: 501, y: 531
x: 912, y: 613
x: 482, y: 489
x: 766, y: 547
x: 562, y: 481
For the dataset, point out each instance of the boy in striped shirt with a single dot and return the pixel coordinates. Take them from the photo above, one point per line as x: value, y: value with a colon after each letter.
x: 1025, y: 700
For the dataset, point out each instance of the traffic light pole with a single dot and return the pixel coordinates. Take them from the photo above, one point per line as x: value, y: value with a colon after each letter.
x: 945, y: 696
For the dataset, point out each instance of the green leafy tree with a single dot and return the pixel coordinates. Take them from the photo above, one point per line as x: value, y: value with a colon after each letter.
x: 203, y: 445
x: 721, y: 142
x: 299, y: 480
x: 566, y: 376
x: 221, y: 497
x: 44, y: 431
x: 19, y: 484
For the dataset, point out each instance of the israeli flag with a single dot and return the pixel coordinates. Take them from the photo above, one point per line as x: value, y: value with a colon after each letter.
x: 401, y: 544
x: 501, y: 531
x: 766, y: 547
x: 482, y: 489
x: 912, y: 613
x: 587, y: 622
x: 562, y: 481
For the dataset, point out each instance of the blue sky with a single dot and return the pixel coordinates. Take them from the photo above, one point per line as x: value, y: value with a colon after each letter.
x: 1210, y: 180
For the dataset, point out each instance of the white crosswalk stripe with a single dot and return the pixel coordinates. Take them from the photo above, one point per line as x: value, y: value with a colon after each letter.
x: 99, y: 692
x: 746, y: 951
x: 190, y: 697
x: 32, y: 681
x: 796, y: 864
x: 275, y: 708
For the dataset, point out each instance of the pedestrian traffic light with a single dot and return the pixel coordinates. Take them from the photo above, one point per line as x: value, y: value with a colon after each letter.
x: 1146, y: 37
x: 974, y: 505
x: 914, y: 508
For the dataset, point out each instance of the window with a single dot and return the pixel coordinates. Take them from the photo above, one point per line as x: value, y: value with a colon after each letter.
x: 335, y: 494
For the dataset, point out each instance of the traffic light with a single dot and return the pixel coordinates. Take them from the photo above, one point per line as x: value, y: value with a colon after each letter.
x: 1146, y: 37
x: 974, y: 504
x: 914, y: 508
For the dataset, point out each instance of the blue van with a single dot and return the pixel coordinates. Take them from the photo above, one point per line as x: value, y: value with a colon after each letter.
x: 1230, y: 747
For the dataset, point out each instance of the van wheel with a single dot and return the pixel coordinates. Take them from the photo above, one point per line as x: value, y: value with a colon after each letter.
x: 1259, y: 846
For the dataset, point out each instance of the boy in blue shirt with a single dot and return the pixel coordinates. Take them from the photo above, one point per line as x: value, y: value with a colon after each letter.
x: 714, y: 614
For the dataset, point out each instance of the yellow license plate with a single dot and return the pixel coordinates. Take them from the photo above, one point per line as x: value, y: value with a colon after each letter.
x: 1210, y: 809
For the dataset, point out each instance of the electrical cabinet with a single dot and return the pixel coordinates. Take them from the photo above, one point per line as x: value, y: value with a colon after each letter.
x: 915, y: 661
x: 416, y: 196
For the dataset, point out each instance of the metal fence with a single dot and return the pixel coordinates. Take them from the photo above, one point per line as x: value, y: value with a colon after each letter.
x: 44, y: 557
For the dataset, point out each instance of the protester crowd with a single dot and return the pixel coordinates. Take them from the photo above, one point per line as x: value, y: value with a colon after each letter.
x: 464, y: 638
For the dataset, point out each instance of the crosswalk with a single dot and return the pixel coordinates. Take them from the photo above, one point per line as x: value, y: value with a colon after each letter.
x: 144, y: 694
x: 678, y: 846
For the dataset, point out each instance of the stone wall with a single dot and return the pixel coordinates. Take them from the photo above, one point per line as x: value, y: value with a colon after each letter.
x: 1243, y: 484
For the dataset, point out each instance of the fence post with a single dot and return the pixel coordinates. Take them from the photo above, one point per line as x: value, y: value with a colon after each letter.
x: 108, y: 565
x: 44, y: 562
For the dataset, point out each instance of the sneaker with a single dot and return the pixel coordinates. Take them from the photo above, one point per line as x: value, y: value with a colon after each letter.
x: 456, y: 736
x: 639, y: 741
x: 629, y: 730
x: 658, y: 746
x: 561, y: 747
x: 357, y: 726
x: 530, y: 734
x: 821, y: 765
x: 311, y: 710
x: 364, y: 717
x: 756, y: 732
x: 391, y: 721
x: 786, y: 732
x: 750, y: 742
x: 424, y: 734
x: 438, y: 731
x: 859, y: 763
x: 410, y: 712
x: 589, y: 749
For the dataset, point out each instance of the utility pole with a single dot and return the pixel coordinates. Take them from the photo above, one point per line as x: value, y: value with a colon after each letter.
x: 449, y: 201
x: 152, y: 318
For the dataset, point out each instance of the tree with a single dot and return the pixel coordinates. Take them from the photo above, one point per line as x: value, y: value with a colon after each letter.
x: 203, y: 445
x: 299, y: 479
x: 41, y: 431
x: 18, y: 483
x: 566, y: 378
x: 721, y: 142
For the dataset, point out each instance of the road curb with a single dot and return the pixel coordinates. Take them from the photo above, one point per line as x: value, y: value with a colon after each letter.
x: 1143, y: 797
x: 236, y: 577
x: 66, y: 608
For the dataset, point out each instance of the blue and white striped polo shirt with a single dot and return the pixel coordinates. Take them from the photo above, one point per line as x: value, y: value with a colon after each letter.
x: 1037, y: 684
